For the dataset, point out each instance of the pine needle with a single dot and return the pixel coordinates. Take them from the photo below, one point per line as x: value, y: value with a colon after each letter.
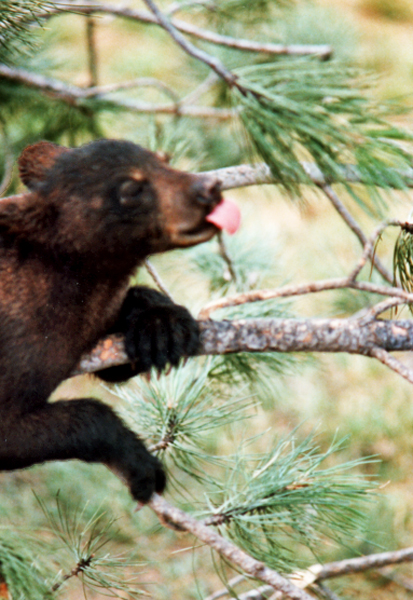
x: 295, y: 108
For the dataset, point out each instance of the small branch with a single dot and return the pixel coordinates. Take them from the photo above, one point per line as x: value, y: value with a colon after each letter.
x: 81, y: 566
x: 326, y: 593
x: 256, y: 569
x: 225, y: 592
x: 77, y: 96
x: 178, y: 6
x: 317, y: 286
x: 215, y: 64
x: 155, y: 276
x: 369, y: 314
x: 400, y: 580
x: 91, y: 50
x: 363, y: 563
x: 324, y: 51
x: 101, y: 90
x: 227, y: 259
x: 355, y: 227
x: 202, y: 89
x: 390, y: 361
x: 301, y: 289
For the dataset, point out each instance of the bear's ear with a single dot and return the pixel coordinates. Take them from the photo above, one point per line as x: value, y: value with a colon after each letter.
x: 163, y: 156
x: 36, y: 160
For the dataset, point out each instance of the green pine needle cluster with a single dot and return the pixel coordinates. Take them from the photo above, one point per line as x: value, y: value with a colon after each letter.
x: 300, y: 109
x: 83, y: 544
x: 16, y: 18
x: 272, y: 503
x: 22, y: 566
x: 403, y: 258
x: 177, y: 413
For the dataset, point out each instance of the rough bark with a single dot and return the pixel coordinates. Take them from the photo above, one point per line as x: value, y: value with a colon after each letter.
x: 351, y: 335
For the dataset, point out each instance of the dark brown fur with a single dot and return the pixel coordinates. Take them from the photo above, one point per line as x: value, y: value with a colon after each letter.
x: 67, y: 250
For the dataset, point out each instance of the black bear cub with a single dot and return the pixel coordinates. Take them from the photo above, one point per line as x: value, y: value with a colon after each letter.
x: 67, y: 250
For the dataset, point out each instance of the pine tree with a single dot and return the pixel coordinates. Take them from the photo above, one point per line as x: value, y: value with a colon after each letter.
x: 192, y: 80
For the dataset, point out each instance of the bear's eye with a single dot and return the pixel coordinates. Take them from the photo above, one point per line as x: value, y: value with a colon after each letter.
x: 131, y: 191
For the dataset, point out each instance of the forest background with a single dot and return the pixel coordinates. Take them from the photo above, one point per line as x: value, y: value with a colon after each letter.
x: 268, y: 406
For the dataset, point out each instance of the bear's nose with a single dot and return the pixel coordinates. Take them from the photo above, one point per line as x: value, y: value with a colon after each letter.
x: 207, y: 192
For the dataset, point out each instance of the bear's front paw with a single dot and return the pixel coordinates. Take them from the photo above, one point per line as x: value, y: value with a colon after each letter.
x: 147, y: 479
x: 161, y: 335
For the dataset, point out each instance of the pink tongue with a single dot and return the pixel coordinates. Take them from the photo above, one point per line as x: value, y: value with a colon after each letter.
x: 226, y: 215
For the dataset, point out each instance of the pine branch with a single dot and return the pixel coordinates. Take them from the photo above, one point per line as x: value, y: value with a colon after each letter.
x: 276, y: 335
x: 259, y: 174
x: 77, y: 96
x: 182, y: 521
x: 208, y: 59
x: 317, y: 573
x: 155, y: 276
x: 355, y: 228
x: 324, y: 51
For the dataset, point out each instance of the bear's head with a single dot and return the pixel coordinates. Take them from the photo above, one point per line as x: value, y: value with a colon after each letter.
x: 112, y: 197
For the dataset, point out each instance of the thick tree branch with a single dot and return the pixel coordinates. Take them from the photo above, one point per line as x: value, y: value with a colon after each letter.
x: 355, y: 336
x: 258, y: 174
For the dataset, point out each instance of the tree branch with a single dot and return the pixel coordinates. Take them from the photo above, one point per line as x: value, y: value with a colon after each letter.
x: 355, y: 228
x: 363, y: 563
x: 258, y: 174
x: 324, y: 51
x: 78, y: 96
x: 208, y: 59
x: 317, y: 573
x: 351, y: 335
x: 184, y: 522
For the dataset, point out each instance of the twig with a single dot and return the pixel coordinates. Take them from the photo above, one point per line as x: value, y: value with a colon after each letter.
x: 91, y: 50
x: 133, y: 83
x: 355, y: 227
x: 301, y: 289
x: 215, y: 64
x: 178, y: 6
x: 362, y: 563
x: 256, y: 569
x: 199, y: 91
x: 324, y: 51
x: 368, y: 248
x: 369, y: 314
x: 81, y: 566
x: 393, y: 363
x: 400, y: 580
x: 317, y: 286
x: 224, y: 592
x: 155, y: 276
x: 326, y: 593
x: 77, y: 96
x: 226, y: 257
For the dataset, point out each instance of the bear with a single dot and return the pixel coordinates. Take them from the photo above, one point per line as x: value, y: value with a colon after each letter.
x: 68, y: 248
